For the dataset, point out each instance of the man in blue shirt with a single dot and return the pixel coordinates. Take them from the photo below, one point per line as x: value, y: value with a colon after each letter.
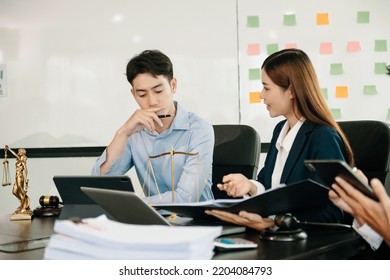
x: 161, y: 126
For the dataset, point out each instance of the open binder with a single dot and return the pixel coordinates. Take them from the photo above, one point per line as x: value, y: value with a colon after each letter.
x: 296, y: 196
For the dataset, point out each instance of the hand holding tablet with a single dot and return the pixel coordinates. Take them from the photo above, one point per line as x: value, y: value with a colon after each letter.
x: 327, y: 170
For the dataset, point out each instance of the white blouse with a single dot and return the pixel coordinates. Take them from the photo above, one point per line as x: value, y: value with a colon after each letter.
x: 283, y: 145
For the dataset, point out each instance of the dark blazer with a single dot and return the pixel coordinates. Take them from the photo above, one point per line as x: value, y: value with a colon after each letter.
x: 312, y: 142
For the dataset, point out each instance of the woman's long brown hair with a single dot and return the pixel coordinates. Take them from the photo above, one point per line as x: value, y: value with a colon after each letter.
x: 293, y: 68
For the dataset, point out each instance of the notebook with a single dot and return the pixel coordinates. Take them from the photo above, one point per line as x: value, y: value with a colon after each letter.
x: 127, y: 207
x: 76, y: 203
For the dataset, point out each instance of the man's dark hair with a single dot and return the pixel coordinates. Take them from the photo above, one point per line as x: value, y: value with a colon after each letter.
x: 149, y: 61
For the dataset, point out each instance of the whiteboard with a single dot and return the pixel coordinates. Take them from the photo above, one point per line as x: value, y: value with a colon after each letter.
x: 347, y: 41
x: 63, y: 64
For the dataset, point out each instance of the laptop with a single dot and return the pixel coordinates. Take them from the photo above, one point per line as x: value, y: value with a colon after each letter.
x: 76, y: 203
x: 129, y: 208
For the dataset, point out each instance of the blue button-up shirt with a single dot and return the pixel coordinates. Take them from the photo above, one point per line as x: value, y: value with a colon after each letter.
x: 192, y: 174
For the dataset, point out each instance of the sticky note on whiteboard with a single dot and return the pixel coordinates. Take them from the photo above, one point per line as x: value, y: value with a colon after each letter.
x: 254, y: 97
x: 341, y: 92
x: 326, y: 48
x: 252, y: 21
x: 3, y: 80
x: 363, y: 17
x: 380, y: 45
x: 253, y: 49
x: 336, y: 69
x: 289, y: 20
x: 254, y: 74
x: 353, y: 46
x: 322, y: 19
x: 336, y: 113
x: 370, y: 90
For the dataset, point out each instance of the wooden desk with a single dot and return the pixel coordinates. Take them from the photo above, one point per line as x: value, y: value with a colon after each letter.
x: 320, y: 244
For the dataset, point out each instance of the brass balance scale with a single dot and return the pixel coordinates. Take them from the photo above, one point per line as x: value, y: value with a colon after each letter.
x: 150, y: 172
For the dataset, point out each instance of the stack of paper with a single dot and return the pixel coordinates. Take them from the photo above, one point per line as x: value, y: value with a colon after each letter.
x: 101, y: 238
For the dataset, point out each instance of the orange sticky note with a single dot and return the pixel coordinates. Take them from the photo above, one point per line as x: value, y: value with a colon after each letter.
x: 253, y: 49
x: 342, y: 92
x: 353, y: 46
x: 326, y: 48
x: 254, y: 97
x: 322, y: 19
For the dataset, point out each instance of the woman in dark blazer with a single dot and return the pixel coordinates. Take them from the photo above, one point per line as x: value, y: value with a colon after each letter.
x: 291, y: 90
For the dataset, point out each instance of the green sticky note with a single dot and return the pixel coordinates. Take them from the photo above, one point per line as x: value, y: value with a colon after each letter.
x: 380, y: 45
x: 325, y: 93
x: 336, y: 113
x: 272, y: 48
x: 380, y: 68
x: 254, y: 74
x: 252, y: 21
x: 388, y: 114
x: 363, y: 17
x: 370, y: 90
x: 289, y: 20
x: 336, y: 69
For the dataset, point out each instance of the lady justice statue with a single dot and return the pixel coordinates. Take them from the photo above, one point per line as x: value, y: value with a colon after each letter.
x: 23, y: 212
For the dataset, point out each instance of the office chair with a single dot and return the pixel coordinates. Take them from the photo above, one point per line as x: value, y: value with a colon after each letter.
x: 237, y: 150
x: 370, y: 143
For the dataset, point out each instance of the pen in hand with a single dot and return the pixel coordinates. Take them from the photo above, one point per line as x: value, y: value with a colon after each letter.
x: 165, y: 116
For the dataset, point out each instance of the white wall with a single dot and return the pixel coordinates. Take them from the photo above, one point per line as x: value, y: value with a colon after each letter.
x: 64, y: 64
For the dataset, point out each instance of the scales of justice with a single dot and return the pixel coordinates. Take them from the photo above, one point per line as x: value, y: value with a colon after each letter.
x: 20, y: 187
x: 172, y: 153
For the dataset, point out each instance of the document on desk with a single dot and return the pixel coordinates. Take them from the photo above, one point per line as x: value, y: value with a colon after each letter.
x: 287, y: 198
x: 101, y: 238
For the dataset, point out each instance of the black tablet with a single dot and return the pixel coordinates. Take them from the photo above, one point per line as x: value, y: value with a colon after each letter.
x: 327, y: 170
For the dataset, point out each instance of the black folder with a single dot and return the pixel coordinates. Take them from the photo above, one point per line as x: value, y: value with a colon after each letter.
x: 297, y: 196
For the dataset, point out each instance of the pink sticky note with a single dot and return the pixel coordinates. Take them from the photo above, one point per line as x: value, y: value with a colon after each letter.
x: 253, y: 49
x: 353, y: 46
x: 326, y: 48
x: 290, y: 46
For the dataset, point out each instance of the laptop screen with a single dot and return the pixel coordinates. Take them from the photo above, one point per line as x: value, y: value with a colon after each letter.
x: 69, y: 186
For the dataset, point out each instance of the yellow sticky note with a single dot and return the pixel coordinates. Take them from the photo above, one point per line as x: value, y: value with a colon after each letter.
x: 253, y: 49
x: 322, y: 19
x: 254, y: 97
x: 342, y: 92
